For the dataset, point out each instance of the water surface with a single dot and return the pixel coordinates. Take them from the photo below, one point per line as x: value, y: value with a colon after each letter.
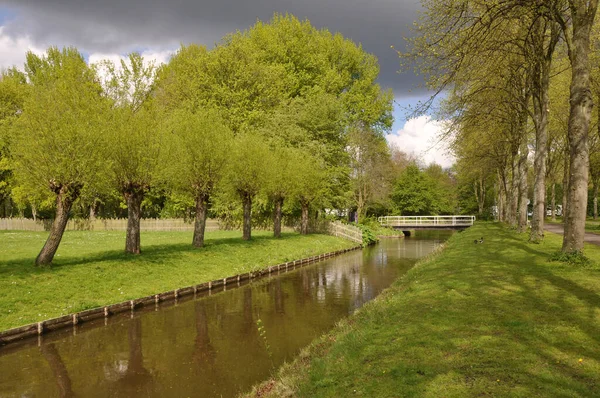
x: 212, y: 346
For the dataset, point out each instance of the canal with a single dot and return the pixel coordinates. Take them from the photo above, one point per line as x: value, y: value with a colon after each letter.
x: 217, y: 345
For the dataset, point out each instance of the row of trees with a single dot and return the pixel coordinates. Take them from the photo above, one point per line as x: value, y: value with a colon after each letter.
x: 283, y: 110
x: 518, y: 81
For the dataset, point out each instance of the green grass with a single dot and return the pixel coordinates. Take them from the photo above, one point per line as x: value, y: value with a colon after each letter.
x: 92, y: 270
x: 492, y: 319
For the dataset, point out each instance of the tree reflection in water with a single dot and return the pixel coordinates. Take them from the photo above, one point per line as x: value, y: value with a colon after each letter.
x: 58, y: 369
x: 129, y: 377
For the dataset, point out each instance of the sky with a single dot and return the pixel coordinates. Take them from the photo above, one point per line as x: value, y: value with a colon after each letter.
x: 112, y: 28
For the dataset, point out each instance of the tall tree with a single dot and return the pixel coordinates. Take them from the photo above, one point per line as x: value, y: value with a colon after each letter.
x: 283, y: 176
x: 371, y: 167
x: 543, y: 39
x: 576, y: 23
x: 60, y: 134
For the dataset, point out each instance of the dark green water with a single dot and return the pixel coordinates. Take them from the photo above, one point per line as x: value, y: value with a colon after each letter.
x: 212, y: 346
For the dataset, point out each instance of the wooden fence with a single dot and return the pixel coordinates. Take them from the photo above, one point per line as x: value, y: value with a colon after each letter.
x: 336, y: 228
x: 149, y: 224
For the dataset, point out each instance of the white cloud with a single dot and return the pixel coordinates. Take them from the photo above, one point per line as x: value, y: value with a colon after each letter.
x: 158, y: 57
x: 13, y: 50
x: 421, y: 137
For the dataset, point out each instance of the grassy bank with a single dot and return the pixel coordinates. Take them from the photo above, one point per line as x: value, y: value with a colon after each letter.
x: 91, y: 268
x: 491, y: 319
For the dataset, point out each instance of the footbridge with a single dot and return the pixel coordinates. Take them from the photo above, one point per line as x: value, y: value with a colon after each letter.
x: 406, y: 223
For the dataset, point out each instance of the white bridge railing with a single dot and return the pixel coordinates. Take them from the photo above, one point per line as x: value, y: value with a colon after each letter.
x: 426, y: 221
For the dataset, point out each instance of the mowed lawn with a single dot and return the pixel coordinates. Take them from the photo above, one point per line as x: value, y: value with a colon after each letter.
x: 493, y: 319
x: 92, y: 270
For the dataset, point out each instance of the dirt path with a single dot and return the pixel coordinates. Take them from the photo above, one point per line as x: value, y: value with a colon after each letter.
x: 558, y: 229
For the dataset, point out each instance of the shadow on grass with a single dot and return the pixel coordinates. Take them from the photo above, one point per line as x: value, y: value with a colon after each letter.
x: 154, y: 253
x: 547, y: 314
x: 484, y: 319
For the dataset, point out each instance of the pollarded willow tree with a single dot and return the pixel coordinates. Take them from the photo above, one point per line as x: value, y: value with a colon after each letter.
x: 59, y: 137
x: 311, y: 187
x: 197, y: 149
x: 246, y: 174
x: 283, y: 176
x: 135, y: 139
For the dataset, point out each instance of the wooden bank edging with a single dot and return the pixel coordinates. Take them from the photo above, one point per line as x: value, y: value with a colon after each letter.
x: 39, y: 328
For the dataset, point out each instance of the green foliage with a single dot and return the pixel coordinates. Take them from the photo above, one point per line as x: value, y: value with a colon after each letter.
x: 196, y: 150
x: 58, y: 139
x: 262, y: 332
x: 427, y: 192
x: 377, y: 229
x: 368, y: 235
x: 246, y: 174
x: 134, y: 139
x: 575, y: 259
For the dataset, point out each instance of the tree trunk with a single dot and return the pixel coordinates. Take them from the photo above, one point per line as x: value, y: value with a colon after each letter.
x: 565, y: 184
x: 482, y: 192
x: 541, y: 101
x: 360, y: 204
x: 304, y: 224
x: 553, y: 202
x: 524, y: 152
x: 581, y: 103
x: 277, y: 217
x: 595, y: 184
x: 513, y: 199
x: 93, y: 210
x: 34, y: 212
x: 200, y: 221
x: 501, y: 196
x: 134, y: 197
x: 247, y: 227
x: 65, y: 196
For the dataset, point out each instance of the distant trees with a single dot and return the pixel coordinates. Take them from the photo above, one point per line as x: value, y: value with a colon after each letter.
x: 424, y: 192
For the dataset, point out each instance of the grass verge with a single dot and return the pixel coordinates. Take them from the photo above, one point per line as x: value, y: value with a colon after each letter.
x: 491, y: 319
x: 91, y: 268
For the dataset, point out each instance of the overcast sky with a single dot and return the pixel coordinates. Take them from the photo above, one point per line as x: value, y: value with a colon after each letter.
x: 114, y: 27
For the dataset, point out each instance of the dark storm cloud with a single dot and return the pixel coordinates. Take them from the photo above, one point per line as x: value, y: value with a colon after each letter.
x: 119, y: 26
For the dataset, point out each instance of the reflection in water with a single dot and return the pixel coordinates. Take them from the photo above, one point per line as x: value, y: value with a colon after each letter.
x: 59, y: 370
x: 129, y: 377
x: 204, y: 352
x: 218, y: 345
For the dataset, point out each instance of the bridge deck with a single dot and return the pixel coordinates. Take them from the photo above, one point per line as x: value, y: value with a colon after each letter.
x: 427, y: 222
